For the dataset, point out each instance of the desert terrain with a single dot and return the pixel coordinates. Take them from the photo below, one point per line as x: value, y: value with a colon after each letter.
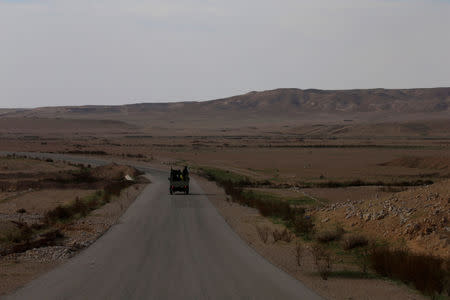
x: 372, y: 164
x: 51, y: 210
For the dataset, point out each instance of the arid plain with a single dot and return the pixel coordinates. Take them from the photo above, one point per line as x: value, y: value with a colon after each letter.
x: 367, y: 164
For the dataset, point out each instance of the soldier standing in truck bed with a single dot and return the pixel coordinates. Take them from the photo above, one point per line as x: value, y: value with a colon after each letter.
x: 185, y: 172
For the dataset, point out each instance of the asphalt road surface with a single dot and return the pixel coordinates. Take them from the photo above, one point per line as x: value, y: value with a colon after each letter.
x: 166, y: 247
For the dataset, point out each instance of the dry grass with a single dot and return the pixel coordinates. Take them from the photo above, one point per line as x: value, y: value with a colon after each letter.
x: 22, y: 233
x: 299, y: 251
x: 330, y: 235
x: 263, y: 233
x: 426, y: 273
x: 82, y: 207
x: 351, y: 241
x: 284, y: 235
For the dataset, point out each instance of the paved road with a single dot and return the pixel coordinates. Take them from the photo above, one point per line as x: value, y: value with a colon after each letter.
x: 167, y: 247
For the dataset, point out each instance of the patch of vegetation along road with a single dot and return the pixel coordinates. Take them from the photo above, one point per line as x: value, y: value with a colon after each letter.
x: 301, y: 200
x: 426, y: 273
x: 220, y: 175
x: 358, y: 182
x: 377, y: 259
x: 267, y: 205
x: 82, y: 207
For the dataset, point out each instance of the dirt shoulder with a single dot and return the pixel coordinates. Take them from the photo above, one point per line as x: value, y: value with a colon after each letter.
x: 340, y: 285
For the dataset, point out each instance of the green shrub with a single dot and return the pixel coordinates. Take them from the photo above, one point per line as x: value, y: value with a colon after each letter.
x: 24, y: 233
x: 268, y: 205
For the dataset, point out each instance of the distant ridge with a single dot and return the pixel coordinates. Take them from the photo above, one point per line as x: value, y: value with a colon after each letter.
x: 335, y: 101
x: 279, y: 103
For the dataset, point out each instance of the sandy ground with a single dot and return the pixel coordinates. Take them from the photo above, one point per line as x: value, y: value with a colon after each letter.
x: 39, y: 202
x: 30, y: 166
x: 244, y: 220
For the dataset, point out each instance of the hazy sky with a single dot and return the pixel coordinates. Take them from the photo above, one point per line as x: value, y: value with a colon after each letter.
x: 73, y: 52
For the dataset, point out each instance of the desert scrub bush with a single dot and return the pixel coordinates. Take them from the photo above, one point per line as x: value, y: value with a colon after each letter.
x: 330, y: 235
x: 268, y: 196
x: 114, y: 189
x: 359, y: 182
x: 362, y: 255
x: 21, y: 211
x: 299, y: 253
x: 322, y: 260
x: 268, y: 205
x: 426, y: 273
x: 83, y: 175
x: 263, y: 233
x: 59, y: 213
x: 392, y: 189
x: 303, y: 225
x: 222, y: 176
x: 351, y: 241
x: 20, y: 234
x: 287, y: 236
x: 276, y: 235
x: 82, y: 207
x: 284, y: 235
x: 76, y: 209
x: 303, y: 200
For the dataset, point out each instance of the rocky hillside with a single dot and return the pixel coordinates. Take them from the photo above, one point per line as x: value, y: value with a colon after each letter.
x: 418, y: 217
x: 337, y: 101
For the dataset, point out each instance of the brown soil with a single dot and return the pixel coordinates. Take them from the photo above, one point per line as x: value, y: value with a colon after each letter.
x: 14, y: 166
x: 113, y: 172
x: 433, y: 162
x: 39, y: 202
